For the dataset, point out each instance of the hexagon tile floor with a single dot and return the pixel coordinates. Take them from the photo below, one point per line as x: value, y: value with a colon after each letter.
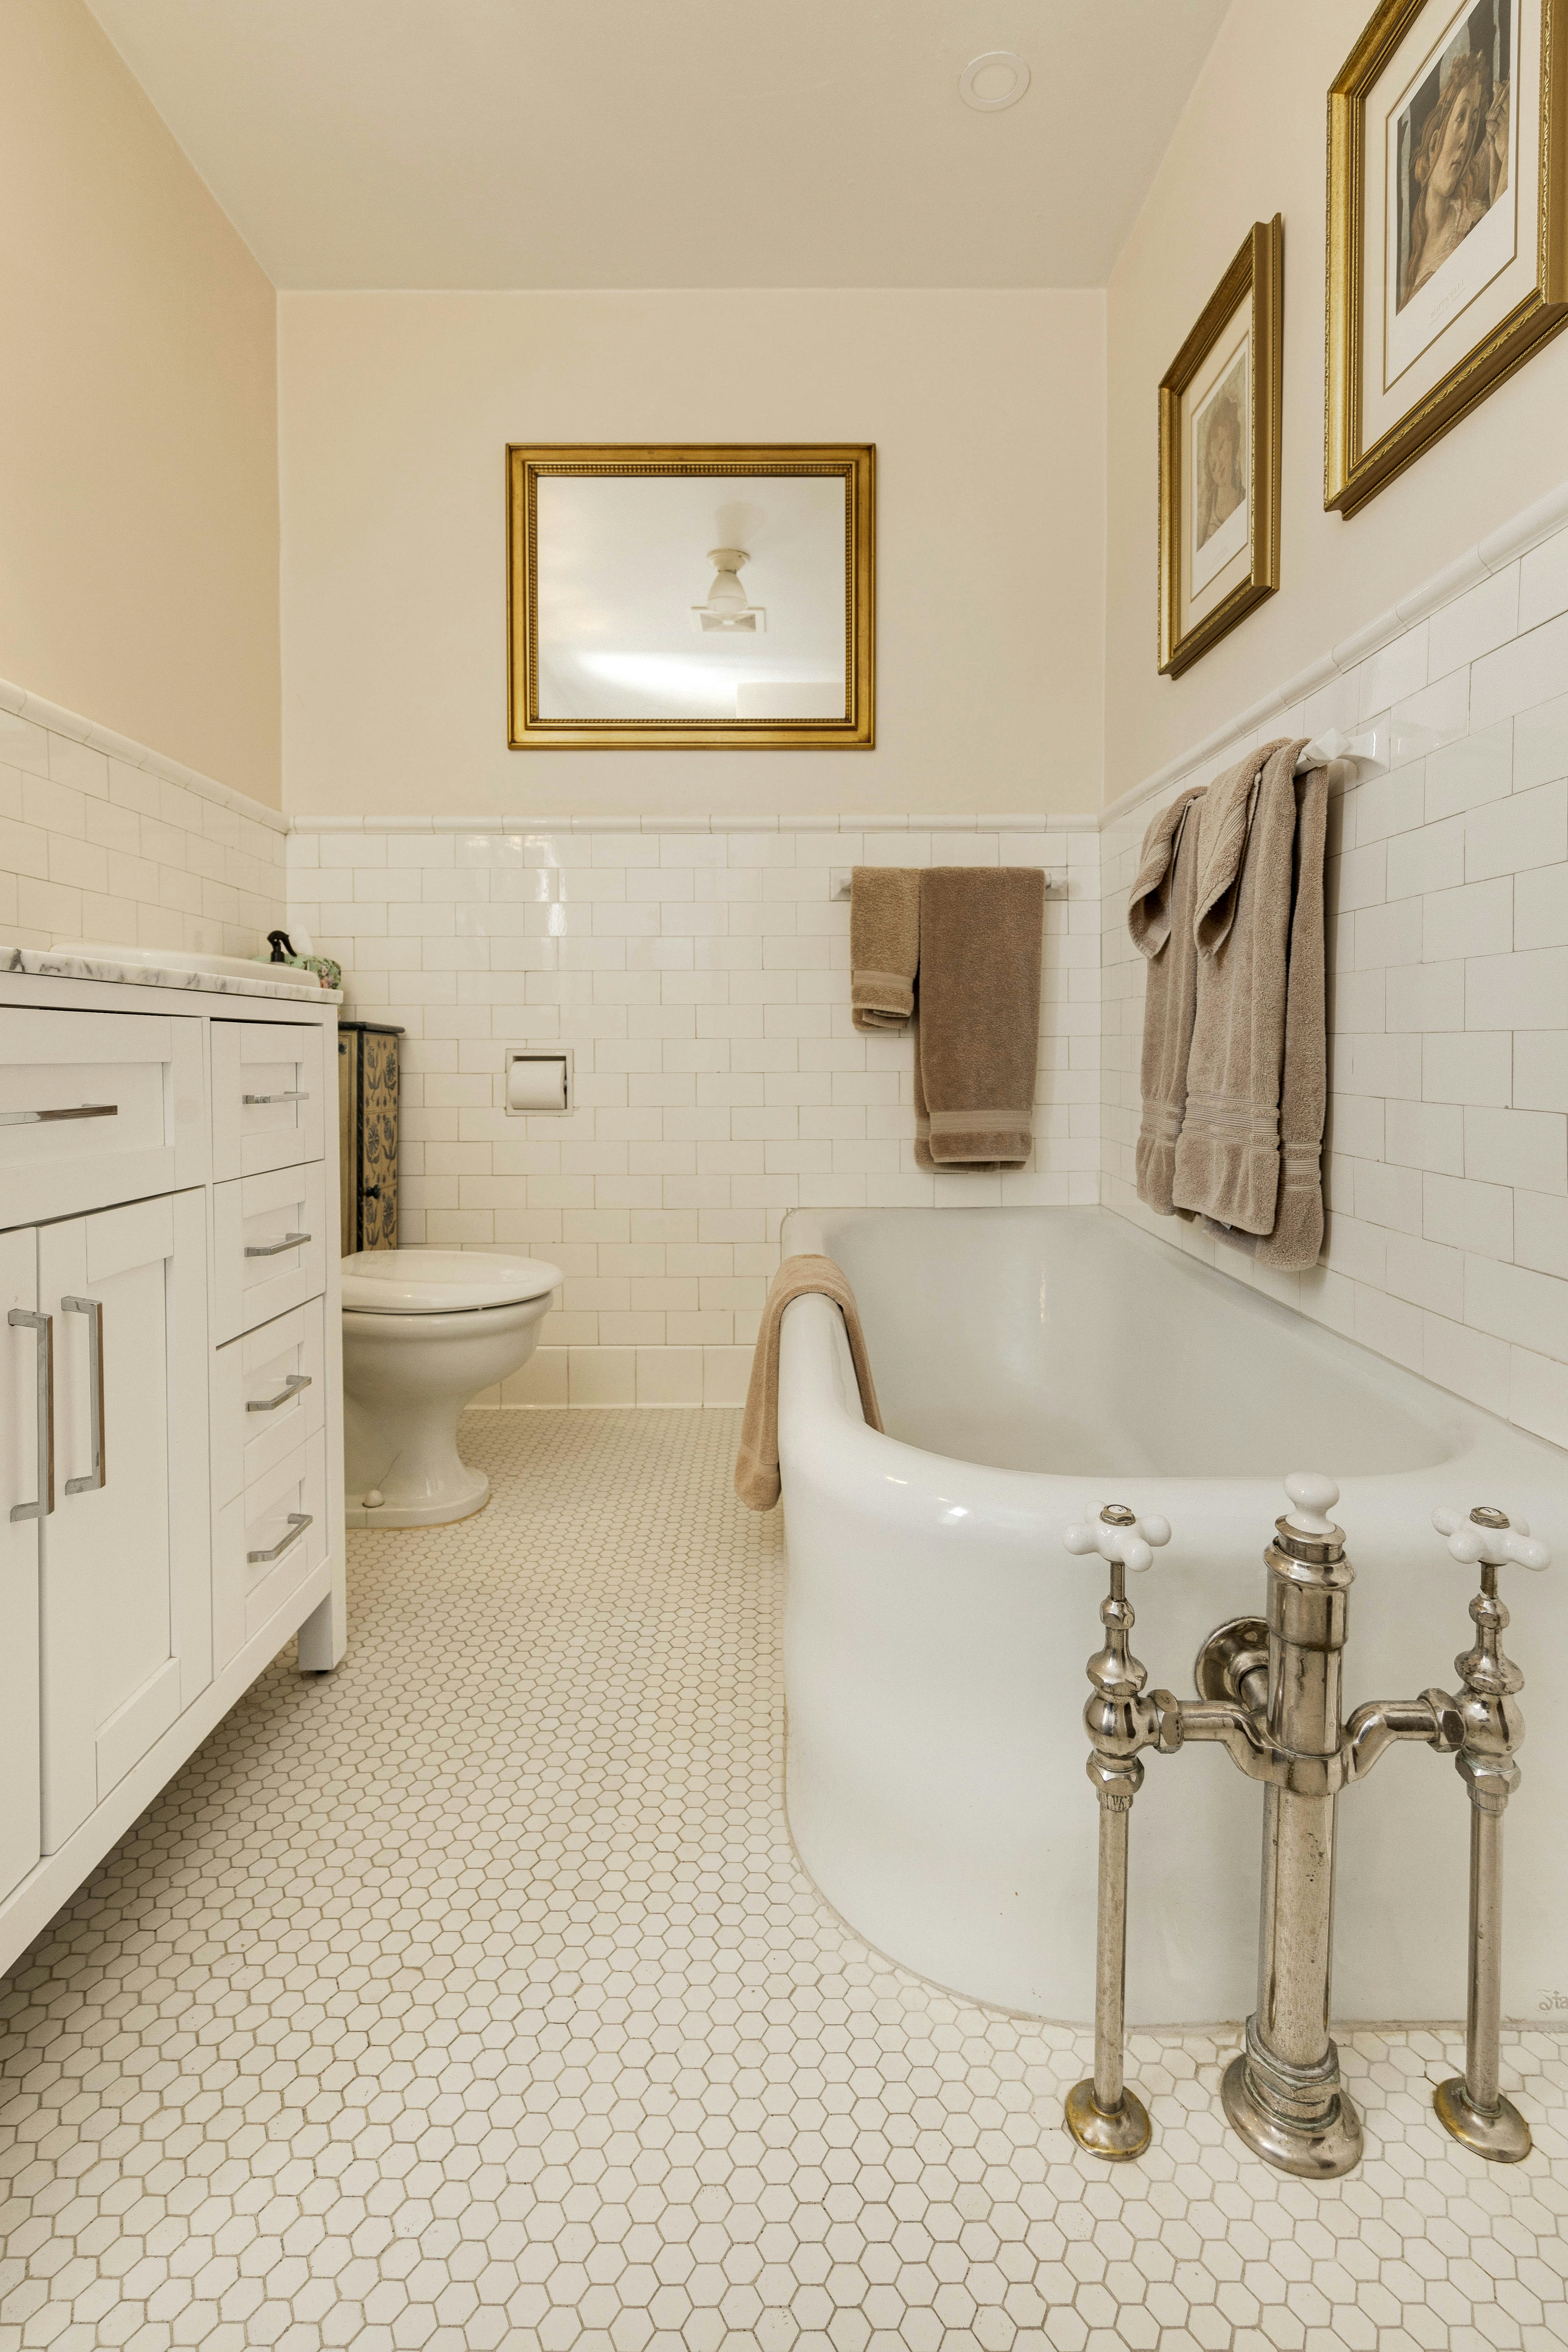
x: 474, y: 1997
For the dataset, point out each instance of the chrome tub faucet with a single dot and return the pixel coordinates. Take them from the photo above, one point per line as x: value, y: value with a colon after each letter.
x: 1269, y: 1693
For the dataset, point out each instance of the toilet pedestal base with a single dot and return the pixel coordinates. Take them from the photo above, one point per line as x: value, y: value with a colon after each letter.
x: 391, y: 1514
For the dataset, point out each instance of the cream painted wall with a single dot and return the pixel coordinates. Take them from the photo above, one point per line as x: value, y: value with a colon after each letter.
x: 1250, y: 143
x: 987, y: 411
x: 138, y: 417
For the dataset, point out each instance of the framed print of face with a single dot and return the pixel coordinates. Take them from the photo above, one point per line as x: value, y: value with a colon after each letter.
x: 1219, y: 456
x: 1446, y: 262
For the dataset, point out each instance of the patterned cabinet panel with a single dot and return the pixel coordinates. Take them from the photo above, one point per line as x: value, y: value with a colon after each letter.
x: 367, y: 1130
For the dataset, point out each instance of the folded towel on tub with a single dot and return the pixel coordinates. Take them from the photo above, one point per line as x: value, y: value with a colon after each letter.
x: 884, y: 944
x: 979, y: 1030
x: 1256, y: 1054
x: 1160, y: 912
x: 757, y: 1463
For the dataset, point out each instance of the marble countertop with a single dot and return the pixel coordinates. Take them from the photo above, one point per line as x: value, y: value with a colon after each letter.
x: 55, y: 963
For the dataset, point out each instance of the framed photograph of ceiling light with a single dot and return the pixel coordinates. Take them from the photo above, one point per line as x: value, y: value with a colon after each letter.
x: 691, y: 597
x: 1219, y: 456
x: 1447, y: 256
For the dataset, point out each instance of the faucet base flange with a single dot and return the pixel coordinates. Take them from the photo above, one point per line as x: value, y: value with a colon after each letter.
x: 1230, y: 1653
x: 1118, y: 2137
x: 1319, y: 2150
x: 1503, y: 2138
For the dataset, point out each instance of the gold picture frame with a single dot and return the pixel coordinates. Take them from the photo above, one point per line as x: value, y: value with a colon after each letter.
x: 1447, y: 224
x: 1219, y: 455
x: 839, y: 594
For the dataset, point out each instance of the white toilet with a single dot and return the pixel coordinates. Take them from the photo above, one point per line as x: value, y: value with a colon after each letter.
x: 423, y: 1330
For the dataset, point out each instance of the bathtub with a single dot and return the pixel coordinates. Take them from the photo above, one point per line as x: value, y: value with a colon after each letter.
x: 1030, y: 1363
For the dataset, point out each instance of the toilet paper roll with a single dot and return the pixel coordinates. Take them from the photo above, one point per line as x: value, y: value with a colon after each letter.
x: 537, y: 1085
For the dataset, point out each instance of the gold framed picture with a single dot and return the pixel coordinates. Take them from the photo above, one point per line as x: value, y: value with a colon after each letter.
x: 1448, y: 251
x: 1219, y: 455
x: 691, y: 597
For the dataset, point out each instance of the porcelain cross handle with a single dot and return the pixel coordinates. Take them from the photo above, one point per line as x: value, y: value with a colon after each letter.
x: 1489, y: 1537
x: 1118, y: 1535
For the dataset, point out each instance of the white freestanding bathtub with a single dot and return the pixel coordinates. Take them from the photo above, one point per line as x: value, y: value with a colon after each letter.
x: 1031, y: 1361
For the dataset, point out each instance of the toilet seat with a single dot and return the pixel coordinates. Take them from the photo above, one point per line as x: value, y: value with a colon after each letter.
x: 442, y: 1282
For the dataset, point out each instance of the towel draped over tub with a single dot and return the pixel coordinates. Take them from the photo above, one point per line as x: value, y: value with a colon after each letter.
x: 757, y: 1463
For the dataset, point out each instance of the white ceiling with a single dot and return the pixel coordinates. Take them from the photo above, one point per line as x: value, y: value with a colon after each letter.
x: 668, y: 142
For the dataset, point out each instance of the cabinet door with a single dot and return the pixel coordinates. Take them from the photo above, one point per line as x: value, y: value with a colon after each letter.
x: 127, y: 1626
x: 21, y: 1406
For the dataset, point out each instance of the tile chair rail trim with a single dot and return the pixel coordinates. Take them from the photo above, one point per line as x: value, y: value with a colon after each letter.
x: 1522, y: 531
x: 40, y: 712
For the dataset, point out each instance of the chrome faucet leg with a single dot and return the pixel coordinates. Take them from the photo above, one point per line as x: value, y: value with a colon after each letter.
x: 1474, y: 2108
x: 1283, y: 2094
x: 1109, y: 2084
x: 1102, y: 2114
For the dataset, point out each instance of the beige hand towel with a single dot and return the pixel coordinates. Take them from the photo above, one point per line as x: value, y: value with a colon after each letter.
x: 1228, y: 1156
x: 757, y: 1463
x: 884, y: 944
x: 981, y: 949
x: 1297, y: 1233
x: 1160, y: 912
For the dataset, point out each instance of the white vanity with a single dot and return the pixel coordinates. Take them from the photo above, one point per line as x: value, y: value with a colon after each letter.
x: 170, y: 1438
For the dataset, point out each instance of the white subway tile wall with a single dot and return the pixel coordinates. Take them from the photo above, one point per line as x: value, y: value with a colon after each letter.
x: 1447, y: 1155
x: 701, y: 977
x: 93, y: 847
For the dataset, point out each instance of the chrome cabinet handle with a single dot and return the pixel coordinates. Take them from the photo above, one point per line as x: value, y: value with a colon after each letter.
x: 93, y: 1310
x: 271, y: 1249
x: 45, y: 1118
x: 298, y: 1523
x: 44, y: 1326
x: 292, y: 1387
x: 266, y: 1098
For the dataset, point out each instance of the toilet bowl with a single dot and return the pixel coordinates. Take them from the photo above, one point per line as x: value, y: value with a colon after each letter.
x: 423, y: 1330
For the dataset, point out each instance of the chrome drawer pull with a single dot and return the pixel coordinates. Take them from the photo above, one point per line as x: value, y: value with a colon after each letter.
x: 93, y: 1310
x: 271, y: 1249
x: 47, y: 1117
x: 266, y: 1098
x: 292, y: 1387
x: 298, y: 1523
x: 44, y: 1326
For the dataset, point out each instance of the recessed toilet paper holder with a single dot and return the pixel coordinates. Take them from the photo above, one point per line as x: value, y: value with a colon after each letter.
x: 543, y: 1087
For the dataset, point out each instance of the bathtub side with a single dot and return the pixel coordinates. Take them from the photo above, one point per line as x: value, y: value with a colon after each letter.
x: 934, y: 1635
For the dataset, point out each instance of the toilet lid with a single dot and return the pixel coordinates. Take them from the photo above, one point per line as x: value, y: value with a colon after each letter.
x: 442, y: 1282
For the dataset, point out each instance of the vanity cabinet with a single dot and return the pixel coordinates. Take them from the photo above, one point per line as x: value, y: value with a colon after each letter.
x: 171, y: 1487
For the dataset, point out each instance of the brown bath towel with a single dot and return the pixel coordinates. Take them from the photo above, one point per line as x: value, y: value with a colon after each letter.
x: 979, y: 1034
x: 884, y: 944
x: 757, y: 1463
x: 1160, y: 911
x: 1227, y: 1157
x: 1297, y: 1233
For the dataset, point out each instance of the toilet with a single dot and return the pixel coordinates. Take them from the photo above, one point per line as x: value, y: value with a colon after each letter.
x: 423, y: 1330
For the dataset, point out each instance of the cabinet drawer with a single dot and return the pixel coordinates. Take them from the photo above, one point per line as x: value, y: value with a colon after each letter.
x: 269, y: 1393
x: 266, y: 1541
x: 95, y: 1109
x: 268, y: 1106
x: 270, y: 1246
